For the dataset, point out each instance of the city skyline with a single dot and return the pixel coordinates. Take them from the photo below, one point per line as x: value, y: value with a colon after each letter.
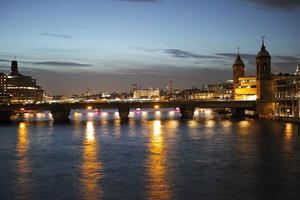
x: 110, y: 45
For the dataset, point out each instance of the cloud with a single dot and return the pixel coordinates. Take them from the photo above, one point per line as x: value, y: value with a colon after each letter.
x: 57, y: 63
x: 249, y: 58
x: 4, y: 60
x: 288, y: 58
x: 139, y: 1
x: 147, y: 49
x: 185, y: 54
x: 56, y: 35
x: 178, y: 53
x: 285, y: 5
x: 53, y: 63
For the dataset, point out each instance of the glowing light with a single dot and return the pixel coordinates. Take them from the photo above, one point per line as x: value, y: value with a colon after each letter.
x: 193, y: 124
x: 90, y: 131
x: 157, y: 127
x: 196, y: 112
x: 22, y: 125
x: 77, y: 114
x: 244, y: 124
x: 172, y: 113
x: 39, y: 115
x: 104, y: 114
x: 91, y: 114
x: 91, y: 167
x: 27, y: 115
x: 22, y: 109
x: 144, y: 113
x: 210, y: 123
x: 23, y: 161
x: 156, y: 106
x: 288, y: 131
x: 208, y: 111
x: 89, y: 107
x: 157, y: 113
x: 159, y: 187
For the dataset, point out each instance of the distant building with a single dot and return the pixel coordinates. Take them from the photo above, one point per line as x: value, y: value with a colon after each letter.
x: 222, y: 91
x: 297, y: 70
x: 4, y: 97
x: 147, y: 94
x: 20, y: 88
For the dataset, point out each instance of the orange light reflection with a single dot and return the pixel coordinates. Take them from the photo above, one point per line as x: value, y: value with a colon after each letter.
x: 158, y: 186
x: 23, y: 164
x: 91, y: 167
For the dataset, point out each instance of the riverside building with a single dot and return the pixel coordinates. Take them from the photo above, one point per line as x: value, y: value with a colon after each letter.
x: 16, y: 88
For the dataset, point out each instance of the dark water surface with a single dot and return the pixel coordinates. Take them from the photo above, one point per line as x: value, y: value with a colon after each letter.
x: 153, y: 156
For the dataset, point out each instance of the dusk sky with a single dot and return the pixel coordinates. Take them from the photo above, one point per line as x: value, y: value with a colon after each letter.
x: 106, y: 45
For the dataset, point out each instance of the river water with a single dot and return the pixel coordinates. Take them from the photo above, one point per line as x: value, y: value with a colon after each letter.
x: 153, y: 156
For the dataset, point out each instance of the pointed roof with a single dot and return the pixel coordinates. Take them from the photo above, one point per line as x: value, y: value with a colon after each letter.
x: 263, y: 52
x: 238, y: 61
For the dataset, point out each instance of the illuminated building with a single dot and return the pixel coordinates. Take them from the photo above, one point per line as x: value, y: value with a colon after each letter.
x: 287, y: 96
x: 22, y: 89
x: 246, y: 89
x: 259, y: 87
x: 147, y: 94
x: 4, y: 97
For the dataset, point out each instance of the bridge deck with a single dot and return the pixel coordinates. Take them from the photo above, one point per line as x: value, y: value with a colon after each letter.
x: 112, y: 105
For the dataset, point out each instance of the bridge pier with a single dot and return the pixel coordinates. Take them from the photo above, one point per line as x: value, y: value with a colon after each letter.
x: 238, y: 112
x: 124, y: 113
x: 60, y: 115
x: 187, y: 111
x: 5, y: 116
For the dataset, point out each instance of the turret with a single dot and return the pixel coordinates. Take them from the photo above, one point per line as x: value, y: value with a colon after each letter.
x: 14, y: 68
x: 263, y: 63
x: 238, y: 70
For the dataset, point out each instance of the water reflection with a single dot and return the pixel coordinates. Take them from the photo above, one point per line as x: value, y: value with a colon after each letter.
x: 23, y: 163
x: 288, y: 137
x: 91, y: 167
x: 158, y: 186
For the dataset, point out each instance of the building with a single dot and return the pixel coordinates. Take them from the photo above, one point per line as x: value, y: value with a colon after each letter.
x: 287, y: 95
x: 20, y: 88
x: 246, y: 88
x: 238, y: 71
x: 151, y: 93
x: 4, y: 97
x: 276, y: 95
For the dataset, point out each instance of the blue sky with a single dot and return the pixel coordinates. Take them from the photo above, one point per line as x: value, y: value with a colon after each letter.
x: 107, y: 45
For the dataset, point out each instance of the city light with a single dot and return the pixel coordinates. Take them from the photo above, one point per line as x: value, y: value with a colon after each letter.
x: 208, y: 111
x: 156, y: 106
x: 89, y: 107
x: 171, y: 113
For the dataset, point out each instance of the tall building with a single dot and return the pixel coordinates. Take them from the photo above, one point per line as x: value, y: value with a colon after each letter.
x: 238, y: 69
x: 265, y: 88
x: 4, y: 97
x: 20, y: 88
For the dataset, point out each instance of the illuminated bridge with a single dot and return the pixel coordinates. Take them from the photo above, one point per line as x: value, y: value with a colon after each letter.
x: 61, y: 111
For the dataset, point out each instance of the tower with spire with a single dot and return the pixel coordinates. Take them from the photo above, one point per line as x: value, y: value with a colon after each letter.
x: 238, y: 70
x: 265, y: 88
x: 263, y: 63
x: 264, y: 83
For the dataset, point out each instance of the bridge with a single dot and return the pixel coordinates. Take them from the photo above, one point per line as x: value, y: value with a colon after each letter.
x: 61, y: 111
